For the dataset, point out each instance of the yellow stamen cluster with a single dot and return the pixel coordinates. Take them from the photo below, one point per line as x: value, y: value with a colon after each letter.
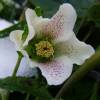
x: 44, y: 49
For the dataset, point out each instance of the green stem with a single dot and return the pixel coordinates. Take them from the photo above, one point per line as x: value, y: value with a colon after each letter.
x: 94, y: 93
x: 17, y: 65
x: 4, y: 94
x: 27, y: 96
x: 24, y: 6
x: 80, y: 73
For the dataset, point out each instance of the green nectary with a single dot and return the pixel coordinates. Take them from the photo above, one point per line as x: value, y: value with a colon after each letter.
x: 41, y: 48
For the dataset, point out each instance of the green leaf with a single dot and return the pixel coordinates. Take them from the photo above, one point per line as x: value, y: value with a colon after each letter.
x: 38, y: 11
x: 9, y: 10
x: 82, y: 6
x: 20, y: 54
x: 1, y: 6
x: 98, y: 48
x: 94, y: 14
x: 27, y: 85
x: 81, y: 90
x: 6, y: 32
x: 95, y: 89
x: 49, y: 7
x: 25, y: 33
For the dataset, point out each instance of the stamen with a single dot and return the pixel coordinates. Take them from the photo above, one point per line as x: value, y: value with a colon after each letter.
x: 44, y: 49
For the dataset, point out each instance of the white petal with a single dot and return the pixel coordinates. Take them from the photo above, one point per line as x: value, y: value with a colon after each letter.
x: 56, y: 71
x: 61, y: 24
x: 29, y: 37
x: 16, y: 36
x: 75, y: 50
x: 4, y: 24
x: 8, y: 59
x: 25, y: 70
x: 34, y: 22
x: 30, y: 15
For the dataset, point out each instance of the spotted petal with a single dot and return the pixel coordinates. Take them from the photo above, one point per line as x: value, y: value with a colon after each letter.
x: 34, y: 22
x: 75, y: 50
x: 61, y: 24
x: 16, y: 37
x: 30, y: 15
x: 56, y: 71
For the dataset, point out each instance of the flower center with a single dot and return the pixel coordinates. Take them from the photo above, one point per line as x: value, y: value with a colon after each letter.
x: 44, y: 49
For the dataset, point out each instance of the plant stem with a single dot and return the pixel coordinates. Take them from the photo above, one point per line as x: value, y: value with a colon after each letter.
x: 17, y: 66
x: 94, y: 92
x: 80, y: 73
x: 27, y: 96
x: 4, y: 94
x: 24, y: 6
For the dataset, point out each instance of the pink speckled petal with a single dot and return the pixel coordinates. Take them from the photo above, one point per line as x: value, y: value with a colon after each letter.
x: 56, y: 71
x: 35, y: 23
x: 61, y: 24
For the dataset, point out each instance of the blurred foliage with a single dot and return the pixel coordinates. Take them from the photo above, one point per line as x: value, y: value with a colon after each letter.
x: 94, y: 14
x: 26, y: 85
x: 82, y: 6
x: 6, y: 32
x: 82, y: 90
x: 10, y: 10
x: 87, y: 28
x: 50, y: 6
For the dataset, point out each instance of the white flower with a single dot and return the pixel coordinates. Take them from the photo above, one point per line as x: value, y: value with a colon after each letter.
x: 4, y: 24
x: 8, y: 57
x: 51, y: 44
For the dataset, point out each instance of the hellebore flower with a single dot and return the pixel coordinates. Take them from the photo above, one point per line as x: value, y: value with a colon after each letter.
x: 51, y: 44
x: 8, y: 57
x: 4, y: 24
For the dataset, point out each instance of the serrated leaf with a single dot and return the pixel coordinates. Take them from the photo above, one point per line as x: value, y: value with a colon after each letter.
x: 27, y: 85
